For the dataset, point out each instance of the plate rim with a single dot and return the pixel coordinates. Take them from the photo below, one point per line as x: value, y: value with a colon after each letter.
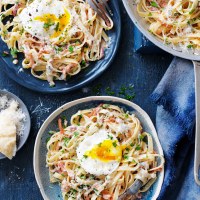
x: 62, y: 108
x: 84, y: 82
x: 15, y: 97
x: 153, y: 39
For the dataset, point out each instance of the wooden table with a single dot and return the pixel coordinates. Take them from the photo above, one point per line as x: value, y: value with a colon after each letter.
x: 17, y: 181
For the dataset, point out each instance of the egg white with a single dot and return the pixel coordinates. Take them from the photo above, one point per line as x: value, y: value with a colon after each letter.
x: 96, y: 166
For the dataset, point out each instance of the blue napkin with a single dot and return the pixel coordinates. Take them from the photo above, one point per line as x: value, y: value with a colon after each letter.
x: 175, y: 120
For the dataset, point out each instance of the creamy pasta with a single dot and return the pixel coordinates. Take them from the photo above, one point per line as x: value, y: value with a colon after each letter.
x: 176, y: 22
x: 58, y: 38
x: 101, y: 154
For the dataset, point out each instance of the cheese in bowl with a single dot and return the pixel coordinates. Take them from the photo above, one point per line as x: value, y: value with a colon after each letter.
x: 101, y: 154
x: 12, y: 125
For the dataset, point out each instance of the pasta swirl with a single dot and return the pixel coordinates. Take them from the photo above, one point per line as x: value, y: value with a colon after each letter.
x: 176, y: 22
x: 81, y: 42
x: 138, y: 161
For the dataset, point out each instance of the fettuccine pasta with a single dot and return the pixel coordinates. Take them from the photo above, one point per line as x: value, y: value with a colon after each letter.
x: 90, y: 166
x: 58, y: 38
x: 176, y: 22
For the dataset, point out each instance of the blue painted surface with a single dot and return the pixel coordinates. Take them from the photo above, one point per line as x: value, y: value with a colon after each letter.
x: 17, y: 181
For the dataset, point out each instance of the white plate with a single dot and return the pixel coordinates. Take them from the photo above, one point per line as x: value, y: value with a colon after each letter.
x: 52, y: 191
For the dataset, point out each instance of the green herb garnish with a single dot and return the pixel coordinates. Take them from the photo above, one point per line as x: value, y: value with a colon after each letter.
x: 114, y: 144
x: 125, y: 157
x: 85, y: 156
x: 71, y: 49
x: 66, y: 140
x: 154, y: 4
x: 138, y: 147
x: 76, y: 134
x: 190, y: 46
x: 109, y: 91
x: 14, y: 52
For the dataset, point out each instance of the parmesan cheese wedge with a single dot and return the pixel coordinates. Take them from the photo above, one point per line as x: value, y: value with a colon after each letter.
x: 8, y: 139
x: 8, y: 130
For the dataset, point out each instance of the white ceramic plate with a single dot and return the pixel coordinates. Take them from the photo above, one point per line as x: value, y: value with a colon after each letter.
x: 52, y: 191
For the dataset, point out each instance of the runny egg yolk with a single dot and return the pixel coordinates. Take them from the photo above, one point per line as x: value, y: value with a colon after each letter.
x: 59, y: 23
x: 106, y: 151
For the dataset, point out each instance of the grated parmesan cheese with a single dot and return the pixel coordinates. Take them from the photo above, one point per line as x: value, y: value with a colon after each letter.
x: 10, y: 111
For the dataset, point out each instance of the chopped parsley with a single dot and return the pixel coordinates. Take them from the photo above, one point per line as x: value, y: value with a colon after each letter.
x: 110, y: 137
x: 131, y: 144
x: 83, y: 176
x: 191, y: 11
x: 48, y: 24
x: 109, y: 91
x: 66, y: 140
x: 105, y: 106
x: 96, y: 90
x: 57, y: 26
x: 85, y: 156
x: 125, y: 156
x: 190, y: 46
x: 126, y: 115
x: 154, y: 4
x: 14, y: 52
x: 95, y: 190
x: 127, y: 149
x: 138, y: 147
x: 76, y: 134
x: 71, y: 49
x: 141, y: 137
x: 114, y: 143
x: 83, y: 63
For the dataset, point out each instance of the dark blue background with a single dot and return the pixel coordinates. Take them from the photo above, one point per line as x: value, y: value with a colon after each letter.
x: 17, y: 181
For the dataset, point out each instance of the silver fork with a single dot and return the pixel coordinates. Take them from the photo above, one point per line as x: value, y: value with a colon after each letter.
x: 102, y: 8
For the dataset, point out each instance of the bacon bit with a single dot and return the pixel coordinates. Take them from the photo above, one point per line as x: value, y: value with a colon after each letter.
x: 15, y: 9
x: 129, y: 134
x: 106, y: 194
x: 95, y: 111
x: 87, y: 198
x: 61, y: 166
x: 60, y: 126
x: 111, y: 119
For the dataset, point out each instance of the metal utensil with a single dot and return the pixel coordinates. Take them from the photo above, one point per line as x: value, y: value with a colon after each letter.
x: 197, y: 136
x: 102, y: 8
x: 135, y: 187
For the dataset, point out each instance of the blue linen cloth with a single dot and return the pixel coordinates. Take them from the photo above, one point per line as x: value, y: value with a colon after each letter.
x: 175, y: 119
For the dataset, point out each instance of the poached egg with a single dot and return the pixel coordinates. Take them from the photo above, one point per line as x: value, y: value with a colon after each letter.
x: 46, y: 19
x: 100, y: 153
